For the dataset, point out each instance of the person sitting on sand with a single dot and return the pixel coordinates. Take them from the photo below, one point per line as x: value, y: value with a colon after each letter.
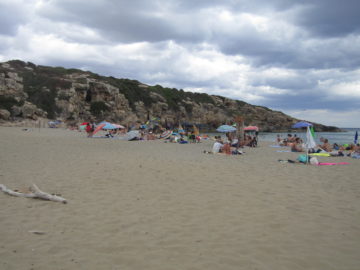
x: 326, y: 146
x: 226, y: 149
x: 218, y: 145
x: 353, y: 150
x: 296, y: 146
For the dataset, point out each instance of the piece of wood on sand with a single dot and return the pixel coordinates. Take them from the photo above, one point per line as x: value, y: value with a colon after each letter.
x: 35, y: 193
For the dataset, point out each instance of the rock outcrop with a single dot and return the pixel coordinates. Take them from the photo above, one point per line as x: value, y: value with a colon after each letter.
x: 28, y: 91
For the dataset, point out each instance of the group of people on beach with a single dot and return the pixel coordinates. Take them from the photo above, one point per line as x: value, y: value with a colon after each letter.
x: 232, y: 145
x: 296, y: 145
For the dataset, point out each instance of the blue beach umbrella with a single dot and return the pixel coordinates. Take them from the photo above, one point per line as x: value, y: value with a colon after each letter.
x: 356, y: 137
x: 226, y: 128
x: 301, y: 124
x: 107, y: 125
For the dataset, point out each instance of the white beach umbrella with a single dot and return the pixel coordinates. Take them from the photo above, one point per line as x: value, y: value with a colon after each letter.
x: 310, y: 142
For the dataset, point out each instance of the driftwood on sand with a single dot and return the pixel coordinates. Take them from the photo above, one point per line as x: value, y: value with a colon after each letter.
x: 35, y: 192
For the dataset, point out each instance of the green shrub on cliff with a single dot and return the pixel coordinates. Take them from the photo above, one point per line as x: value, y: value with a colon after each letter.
x: 7, y: 102
x: 42, y: 91
x: 131, y: 90
x: 98, y: 108
x: 175, y: 97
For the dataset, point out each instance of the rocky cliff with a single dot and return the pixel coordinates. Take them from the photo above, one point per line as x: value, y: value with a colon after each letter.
x: 28, y: 91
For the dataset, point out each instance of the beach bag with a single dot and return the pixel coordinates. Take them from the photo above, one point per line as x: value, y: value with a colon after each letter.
x: 302, y: 158
x: 314, y: 161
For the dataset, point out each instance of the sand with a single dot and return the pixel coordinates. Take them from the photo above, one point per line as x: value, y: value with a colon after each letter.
x: 155, y: 205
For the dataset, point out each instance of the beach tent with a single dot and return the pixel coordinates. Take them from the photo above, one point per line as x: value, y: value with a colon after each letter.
x: 54, y: 124
x: 131, y: 135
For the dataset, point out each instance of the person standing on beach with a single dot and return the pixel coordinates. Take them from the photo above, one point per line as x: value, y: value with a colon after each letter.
x: 89, y: 130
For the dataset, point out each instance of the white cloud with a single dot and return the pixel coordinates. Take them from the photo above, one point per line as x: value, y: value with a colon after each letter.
x: 345, y: 119
x: 346, y: 89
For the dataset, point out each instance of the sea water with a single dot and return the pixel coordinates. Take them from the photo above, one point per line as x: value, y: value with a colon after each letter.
x: 347, y: 136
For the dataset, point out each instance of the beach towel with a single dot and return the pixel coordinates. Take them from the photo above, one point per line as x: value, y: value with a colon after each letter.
x: 275, y: 146
x: 320, y: 154
x: 331, y: 163
x: 283, y: 151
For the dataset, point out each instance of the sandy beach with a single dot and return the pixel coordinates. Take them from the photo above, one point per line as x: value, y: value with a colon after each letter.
x: 159, y: 206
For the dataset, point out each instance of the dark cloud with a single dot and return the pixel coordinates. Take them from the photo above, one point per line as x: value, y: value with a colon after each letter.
x: 179, y: 43
x: 235, y: 5
x: 182, y: 21
x: 330, y: 18
x: 121, y: 21
x: 11, y: 17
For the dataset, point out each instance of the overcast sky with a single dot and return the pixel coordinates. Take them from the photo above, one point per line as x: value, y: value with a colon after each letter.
x: 299, y: 57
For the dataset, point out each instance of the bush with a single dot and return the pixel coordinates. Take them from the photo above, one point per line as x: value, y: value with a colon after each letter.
x: 97, y: 108
x: 131, y: 90
x: 7, y: 102
x: 42, y: 91
x: 63, y: 96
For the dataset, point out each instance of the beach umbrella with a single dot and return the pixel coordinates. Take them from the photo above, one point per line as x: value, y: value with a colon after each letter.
x: 98, y: 128
x: 118, y: 126
x: 356, y: 137
x: 166, y: 134
x: 108, y: 125
x: 225, y: 128
x: 82, y: 126
x: 310, y: 142
x: 251, y: 128
x: 301, y: 124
